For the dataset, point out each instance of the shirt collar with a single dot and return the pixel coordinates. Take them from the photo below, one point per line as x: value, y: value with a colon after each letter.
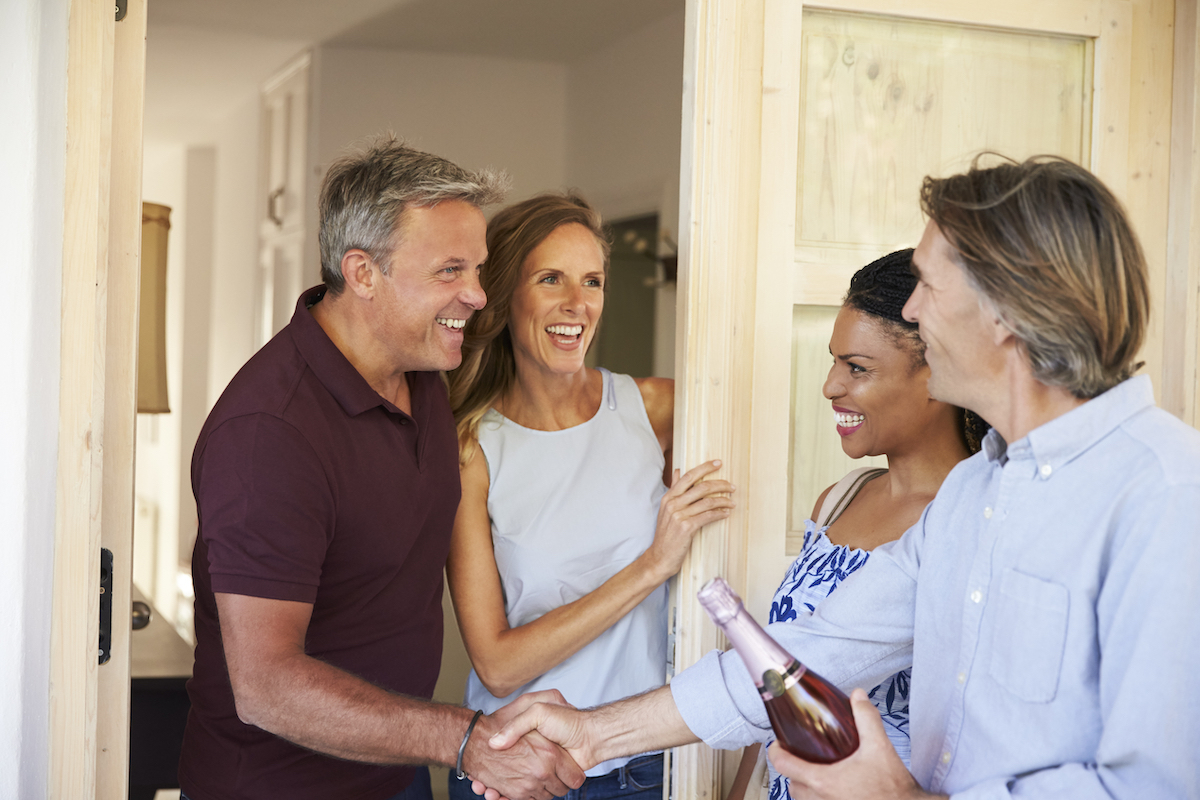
x: 332, y: 368
x: 1064, y: 438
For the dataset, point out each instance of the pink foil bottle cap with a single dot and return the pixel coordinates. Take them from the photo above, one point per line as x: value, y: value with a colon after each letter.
x: 719, y: 600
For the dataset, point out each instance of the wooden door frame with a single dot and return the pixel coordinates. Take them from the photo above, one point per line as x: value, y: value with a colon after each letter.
x: 89, y: 703
x: 1181, y: 316
x: 737, y: 224
x: 735, y: 102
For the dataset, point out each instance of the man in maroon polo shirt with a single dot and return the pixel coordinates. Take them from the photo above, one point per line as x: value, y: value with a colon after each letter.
x: 326, y: 482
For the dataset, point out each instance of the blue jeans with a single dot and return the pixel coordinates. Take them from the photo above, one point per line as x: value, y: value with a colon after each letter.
x: 419, y: 789
x: 640, y: 779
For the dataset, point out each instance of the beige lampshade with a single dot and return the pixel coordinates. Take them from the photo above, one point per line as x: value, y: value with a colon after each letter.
x: 152, y: 311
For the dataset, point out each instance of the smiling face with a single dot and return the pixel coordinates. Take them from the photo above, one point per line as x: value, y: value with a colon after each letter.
x: 432, y: 286
x: 557, y: 304
x: 877, y: 387
x: 962, y: 337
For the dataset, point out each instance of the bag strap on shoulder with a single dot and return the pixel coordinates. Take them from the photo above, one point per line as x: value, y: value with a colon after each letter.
x: 843, y: 492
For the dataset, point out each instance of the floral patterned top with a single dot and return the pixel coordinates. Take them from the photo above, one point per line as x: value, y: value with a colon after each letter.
x: 818, y: 570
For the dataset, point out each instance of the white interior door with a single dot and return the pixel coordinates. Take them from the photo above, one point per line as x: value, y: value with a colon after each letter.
x: 282, y: 154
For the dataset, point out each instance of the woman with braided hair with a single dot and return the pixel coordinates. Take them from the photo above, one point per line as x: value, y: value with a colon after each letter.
x: 881, y: 406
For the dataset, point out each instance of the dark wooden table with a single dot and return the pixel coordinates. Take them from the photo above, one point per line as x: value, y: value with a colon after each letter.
x: 161, y: 663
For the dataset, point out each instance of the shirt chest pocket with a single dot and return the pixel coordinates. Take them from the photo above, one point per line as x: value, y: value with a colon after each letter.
x: 1030, y: 634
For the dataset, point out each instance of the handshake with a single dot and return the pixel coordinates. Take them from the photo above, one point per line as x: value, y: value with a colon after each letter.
x: 539, y: 745
x: 513, y: 753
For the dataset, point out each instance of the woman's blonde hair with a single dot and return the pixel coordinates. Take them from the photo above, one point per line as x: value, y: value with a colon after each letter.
x: 488, y: 368
x: 1051, y: 249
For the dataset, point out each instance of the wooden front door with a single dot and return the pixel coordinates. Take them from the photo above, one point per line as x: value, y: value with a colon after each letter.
x: 807, y: 130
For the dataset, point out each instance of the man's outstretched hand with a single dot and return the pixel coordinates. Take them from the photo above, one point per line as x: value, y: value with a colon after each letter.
x: 873, y: 770
x: 644, y: 723
x: 530, y: 766
x: 560, y: 723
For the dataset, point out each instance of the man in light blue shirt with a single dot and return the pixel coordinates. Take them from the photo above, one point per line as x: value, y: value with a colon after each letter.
x: 1048, y: 600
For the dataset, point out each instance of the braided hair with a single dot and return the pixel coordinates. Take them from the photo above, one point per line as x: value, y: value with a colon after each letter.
x: 881, y: 289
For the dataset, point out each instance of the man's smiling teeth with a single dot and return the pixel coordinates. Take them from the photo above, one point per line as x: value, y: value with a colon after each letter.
x: 455, y: 324
x: 565, y: 330
x: 848, y: 420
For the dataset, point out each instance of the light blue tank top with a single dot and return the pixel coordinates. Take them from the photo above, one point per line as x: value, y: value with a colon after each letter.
x: 570, y: 509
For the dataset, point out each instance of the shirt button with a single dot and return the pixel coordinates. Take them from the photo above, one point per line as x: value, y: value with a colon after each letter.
x: 962, y: 677
x: 987, y: 513
x: 976, y: 596
x: 946, y: 757
x: 1046, y: 470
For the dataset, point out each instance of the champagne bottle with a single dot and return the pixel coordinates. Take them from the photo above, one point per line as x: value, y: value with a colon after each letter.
x: 812, y: 718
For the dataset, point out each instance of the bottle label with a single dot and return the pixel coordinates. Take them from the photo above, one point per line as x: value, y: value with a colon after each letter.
x: 776, y: 685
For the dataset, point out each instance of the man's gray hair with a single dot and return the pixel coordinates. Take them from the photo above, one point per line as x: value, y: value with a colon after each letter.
x: 1052, y: 251
x: 365, y: 194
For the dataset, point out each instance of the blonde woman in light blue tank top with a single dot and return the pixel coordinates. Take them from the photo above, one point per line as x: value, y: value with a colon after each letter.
x: 567, y: 530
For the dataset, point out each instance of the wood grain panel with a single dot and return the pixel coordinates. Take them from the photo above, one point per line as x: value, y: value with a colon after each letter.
x: 887, y: 101
x: 75, y: 614
x: 120, y: 392
x: 719, y: 206
x: 766, y: 507
x: 1144, y: 127
x: 1181, y: 320
x: 858, y: 150
x: 1066, y: 17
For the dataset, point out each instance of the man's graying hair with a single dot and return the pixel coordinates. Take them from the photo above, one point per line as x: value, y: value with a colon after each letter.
x: 1049, y: 246
x: 365, y: 194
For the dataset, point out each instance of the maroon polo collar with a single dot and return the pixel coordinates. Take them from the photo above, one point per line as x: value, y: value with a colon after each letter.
x: 332, y: 368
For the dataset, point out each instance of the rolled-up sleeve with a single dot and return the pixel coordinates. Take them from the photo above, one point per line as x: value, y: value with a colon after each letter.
x: 860, y: 635
x: 719, y: 702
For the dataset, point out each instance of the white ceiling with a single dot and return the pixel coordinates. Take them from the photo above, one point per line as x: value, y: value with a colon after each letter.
x: 207, y: 57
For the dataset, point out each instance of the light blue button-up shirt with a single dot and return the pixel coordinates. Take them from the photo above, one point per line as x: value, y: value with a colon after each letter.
x: 1048, y: 601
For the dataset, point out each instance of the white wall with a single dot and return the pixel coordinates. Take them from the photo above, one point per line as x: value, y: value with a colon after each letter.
x: 475, y: 111
x: 213, y: 244
x: 624, y: 106
x: 193, y: 403
x: 158, y: 454
x: 235, y: 253
x: 623, y: 119
x: 201, y: 158
x: 33, y: 40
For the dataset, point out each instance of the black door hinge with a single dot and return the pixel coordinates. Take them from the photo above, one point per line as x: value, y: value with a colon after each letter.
x: 106, y: 585
x: 122, y: 9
